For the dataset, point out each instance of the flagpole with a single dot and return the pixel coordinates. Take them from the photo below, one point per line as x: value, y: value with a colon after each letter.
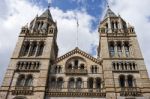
x: 77, y: 30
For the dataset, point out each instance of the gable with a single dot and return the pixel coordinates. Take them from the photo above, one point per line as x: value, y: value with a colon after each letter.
x: 77, y: 52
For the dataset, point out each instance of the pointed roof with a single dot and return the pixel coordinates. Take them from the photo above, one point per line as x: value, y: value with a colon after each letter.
x: 109, y: 13
x: 47, y: 14
x: 78, y: 51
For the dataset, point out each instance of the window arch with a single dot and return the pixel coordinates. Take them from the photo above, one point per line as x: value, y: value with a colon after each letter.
x: 71, y: 83
x: 53, y: 82
x: 127, y: 48
x: 60, y: 82
x: 122, y: 80
x: 33, y: 48
x: 90, y: 83
x: 98, y: 83
x: 20, y: 80
x: 119, y: 48
x: 29, y: 80
x: 79, y: 83
x: 111, y: 48
x: 25, y: 48
x: 130, y: 80
x: 40, y: 49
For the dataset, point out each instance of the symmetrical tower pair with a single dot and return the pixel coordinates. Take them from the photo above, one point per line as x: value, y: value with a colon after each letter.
x: 35, y: 70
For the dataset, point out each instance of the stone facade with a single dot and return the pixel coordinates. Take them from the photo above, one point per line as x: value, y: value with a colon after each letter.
x: 36, y: 72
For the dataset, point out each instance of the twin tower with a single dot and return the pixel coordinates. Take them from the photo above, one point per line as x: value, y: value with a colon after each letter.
x: 36, y: 72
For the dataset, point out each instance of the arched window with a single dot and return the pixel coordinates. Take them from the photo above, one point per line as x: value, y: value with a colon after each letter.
x: 33, y: 48
x: 20, y: 80
x: 71, y: 84
x: 29, y: 80
x: 111, y: 49
x: 130, y: 80
x: 53, y: 82
x: 60, y: 83
x: 96, y: 69
x: 82, y: 66
x: 79, y: 83
x: 122, y: 80
x: 25, y: 48
x: 119, y: 49
x: 98, y: 83
x: 126, y: 46
x: 40, y: 49
x: 90, y: 83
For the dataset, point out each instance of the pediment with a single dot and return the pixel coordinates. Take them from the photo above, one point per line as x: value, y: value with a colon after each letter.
x: 78, y: 51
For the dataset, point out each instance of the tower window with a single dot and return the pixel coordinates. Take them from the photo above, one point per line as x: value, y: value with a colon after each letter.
x: 130, y: 81
x: 111, y: 49
x: 122, y: 81
x: 40, y: 49
x: 29, y: 80
x: 25, y: 48
x: 33, y: 48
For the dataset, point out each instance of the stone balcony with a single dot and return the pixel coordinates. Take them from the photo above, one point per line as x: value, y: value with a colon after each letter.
x: 76, y: 71
x: 130, y: 91
x: 22, y: 90
x: 74, y: 92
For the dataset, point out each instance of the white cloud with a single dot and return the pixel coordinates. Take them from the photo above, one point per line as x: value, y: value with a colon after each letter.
x: 20, y: 12
x: 136, y: 12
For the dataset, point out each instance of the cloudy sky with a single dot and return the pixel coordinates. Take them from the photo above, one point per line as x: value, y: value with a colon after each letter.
x: 16, y: 13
